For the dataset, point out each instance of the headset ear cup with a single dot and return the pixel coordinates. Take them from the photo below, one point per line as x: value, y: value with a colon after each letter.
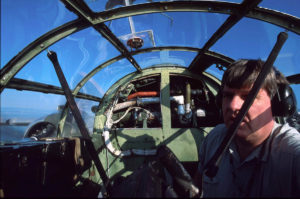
x: 284, y: 102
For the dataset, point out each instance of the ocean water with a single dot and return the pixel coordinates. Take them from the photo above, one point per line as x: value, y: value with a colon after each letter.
x: 11, y: 132
x: 21, y: 114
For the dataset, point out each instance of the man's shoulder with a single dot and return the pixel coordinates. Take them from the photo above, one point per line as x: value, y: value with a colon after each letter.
x: 287, y: 128
x: 289, y: 132
x: 288, y: 139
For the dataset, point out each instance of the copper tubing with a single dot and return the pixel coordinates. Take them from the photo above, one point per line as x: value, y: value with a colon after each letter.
x: 142, y: 94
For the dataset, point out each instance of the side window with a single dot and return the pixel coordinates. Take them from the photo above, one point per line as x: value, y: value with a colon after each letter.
x: 85, y: 107
x: 25, y: 110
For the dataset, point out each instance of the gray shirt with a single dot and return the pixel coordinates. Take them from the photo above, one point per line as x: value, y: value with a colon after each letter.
x: 271, y: 170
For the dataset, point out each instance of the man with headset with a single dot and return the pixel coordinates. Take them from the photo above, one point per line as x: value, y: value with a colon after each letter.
x: 263, y: 160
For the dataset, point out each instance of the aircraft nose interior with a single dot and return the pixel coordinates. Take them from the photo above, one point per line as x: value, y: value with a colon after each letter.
x: 114, y: 98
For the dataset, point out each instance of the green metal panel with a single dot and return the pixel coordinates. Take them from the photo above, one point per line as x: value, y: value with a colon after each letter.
x: 184, y: 142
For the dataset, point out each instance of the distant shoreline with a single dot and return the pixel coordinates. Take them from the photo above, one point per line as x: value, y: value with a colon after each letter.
x: 14, y: 124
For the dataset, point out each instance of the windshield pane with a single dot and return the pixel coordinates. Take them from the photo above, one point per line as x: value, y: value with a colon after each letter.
x: 292, y: 8
x: 106, y: 77
x: 17, y: 115
x: 215, y: 71
x: 249, y: 38
x: 101, y: 5
x: 255, y: 39
x: 85, y: 107
x: 165, y: 58
x: 22, y: 22
x: 173, y: 29
x: 289, y: 58
x: 77, y: 54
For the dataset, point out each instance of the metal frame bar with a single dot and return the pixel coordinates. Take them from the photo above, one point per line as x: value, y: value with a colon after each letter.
x: 87, y: 15
x: 216, y: 57
x: 21, y: 84
x: 286, y: 21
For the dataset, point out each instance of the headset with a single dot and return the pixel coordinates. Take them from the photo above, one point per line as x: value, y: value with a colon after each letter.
x: 284, y: 102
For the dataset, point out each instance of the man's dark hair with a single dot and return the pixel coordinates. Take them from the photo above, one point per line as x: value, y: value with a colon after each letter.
x: 243, y: 73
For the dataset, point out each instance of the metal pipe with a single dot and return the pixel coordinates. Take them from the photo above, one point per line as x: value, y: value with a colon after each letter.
x: 132, y: 28
x: 80, y: 123
x: 188, y: 98
x: 147, y: 100
x: 142, y: 94
x: 138, y: 101
x: 124, y: 105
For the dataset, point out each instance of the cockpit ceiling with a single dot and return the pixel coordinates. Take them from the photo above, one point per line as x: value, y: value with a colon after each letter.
x: 286, y: 21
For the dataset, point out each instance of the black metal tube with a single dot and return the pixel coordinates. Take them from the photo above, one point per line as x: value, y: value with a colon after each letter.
x: 211, y: 168
x: 78, y: 118
x: 178, y: 172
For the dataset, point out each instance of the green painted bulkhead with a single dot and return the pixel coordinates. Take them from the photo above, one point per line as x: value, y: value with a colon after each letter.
x: 183, y: 141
